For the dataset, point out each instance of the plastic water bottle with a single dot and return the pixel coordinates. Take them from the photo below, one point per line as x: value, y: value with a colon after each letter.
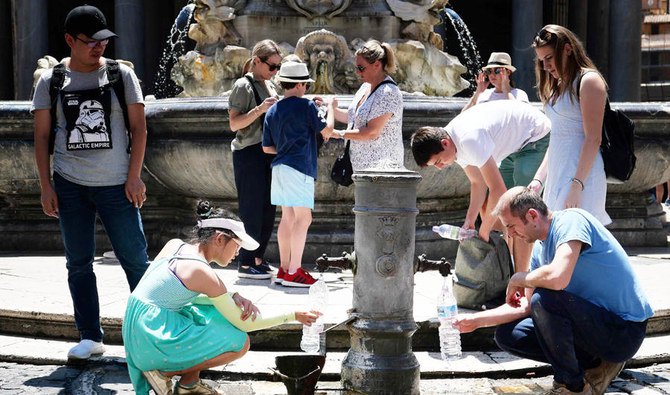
x: 313, y: 337
x: 450, y: 337
x: 454, y: 232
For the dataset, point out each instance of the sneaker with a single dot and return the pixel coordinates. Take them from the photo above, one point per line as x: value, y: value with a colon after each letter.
x: 253, y: 271
x: 267, y: 267
x: 561, y: 389
x: 601, y: 376
x: 85, y: 349
x: 199, y: 388
x: 298, y: 279
x: 160, y: 383
x: 279, y: 279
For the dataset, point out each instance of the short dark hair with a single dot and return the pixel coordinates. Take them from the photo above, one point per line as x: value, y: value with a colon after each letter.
x: 288, y: 85
x: 426, y: 142
x: 519, y: 200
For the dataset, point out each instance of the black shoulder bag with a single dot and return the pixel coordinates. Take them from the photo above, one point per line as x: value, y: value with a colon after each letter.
x: 342, y: 169
x: 618, y: 143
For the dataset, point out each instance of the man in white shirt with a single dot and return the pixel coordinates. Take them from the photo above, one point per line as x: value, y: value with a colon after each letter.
x: 510, y: 134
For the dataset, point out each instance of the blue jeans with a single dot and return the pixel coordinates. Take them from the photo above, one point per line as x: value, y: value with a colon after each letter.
x: 77, y: 208
x: 253, y: 180
x: 570, y: 333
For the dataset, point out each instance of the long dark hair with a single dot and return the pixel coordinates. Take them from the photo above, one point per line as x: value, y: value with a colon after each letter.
x: 548, y: 87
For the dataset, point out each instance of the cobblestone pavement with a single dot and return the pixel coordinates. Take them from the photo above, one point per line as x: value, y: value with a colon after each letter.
x: 111, y: 379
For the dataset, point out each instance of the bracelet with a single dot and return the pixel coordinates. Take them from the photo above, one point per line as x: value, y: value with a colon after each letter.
x: 578, y: 181
x: 233, y: 295
x: 538, y: 180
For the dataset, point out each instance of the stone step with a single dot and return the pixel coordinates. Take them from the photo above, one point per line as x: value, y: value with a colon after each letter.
x: 256, y: 365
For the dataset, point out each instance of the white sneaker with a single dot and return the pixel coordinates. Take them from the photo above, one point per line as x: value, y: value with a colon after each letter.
x: 85, y: 349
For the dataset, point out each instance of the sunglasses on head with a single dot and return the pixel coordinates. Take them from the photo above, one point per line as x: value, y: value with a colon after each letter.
x: 271, y: 67
x: 496, y: 70
x: 545, y: 35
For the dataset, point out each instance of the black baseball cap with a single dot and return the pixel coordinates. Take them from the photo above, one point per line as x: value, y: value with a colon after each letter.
x: 88, y: 21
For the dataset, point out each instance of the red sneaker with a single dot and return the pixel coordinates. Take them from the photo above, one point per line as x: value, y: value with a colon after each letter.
x: 280, y: 276
x: 298, y: 279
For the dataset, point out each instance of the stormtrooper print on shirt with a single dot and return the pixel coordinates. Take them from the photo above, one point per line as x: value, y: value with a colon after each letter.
x: 87, y: 119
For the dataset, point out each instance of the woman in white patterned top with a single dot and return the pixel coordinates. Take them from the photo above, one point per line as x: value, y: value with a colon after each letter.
x: 374, y: 117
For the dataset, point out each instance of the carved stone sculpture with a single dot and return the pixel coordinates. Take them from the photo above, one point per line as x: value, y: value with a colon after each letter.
x: 328, y: 58
x: 214, y: 27
x: 312, y: 8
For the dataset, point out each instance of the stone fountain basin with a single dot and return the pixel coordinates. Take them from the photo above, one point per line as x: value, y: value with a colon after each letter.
x: 188, y: 157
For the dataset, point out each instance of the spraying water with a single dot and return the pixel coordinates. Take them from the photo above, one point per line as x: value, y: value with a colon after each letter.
x: 175, y: 46
x: 470, y: 54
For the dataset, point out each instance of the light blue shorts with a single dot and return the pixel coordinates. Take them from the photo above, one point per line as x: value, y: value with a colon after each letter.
x: 291, y: 188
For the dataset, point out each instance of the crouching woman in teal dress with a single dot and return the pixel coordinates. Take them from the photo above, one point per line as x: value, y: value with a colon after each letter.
x: 181, y: 319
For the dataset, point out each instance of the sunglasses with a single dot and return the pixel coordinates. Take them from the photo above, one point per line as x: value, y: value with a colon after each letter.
x: 94, y: 43
x: 307, y: 85
x: 496, y: 70
x: 271, y: 67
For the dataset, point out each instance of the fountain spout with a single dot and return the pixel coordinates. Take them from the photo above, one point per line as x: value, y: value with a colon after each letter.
x: 423, y: 264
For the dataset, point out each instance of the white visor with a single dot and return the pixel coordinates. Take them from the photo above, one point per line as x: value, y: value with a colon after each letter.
x: 237, y: 227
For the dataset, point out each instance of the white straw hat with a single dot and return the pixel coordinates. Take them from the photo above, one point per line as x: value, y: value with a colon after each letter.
x: 500, y: 59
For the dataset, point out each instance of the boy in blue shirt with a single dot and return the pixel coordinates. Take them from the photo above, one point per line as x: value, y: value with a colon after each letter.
x: 289, y: 131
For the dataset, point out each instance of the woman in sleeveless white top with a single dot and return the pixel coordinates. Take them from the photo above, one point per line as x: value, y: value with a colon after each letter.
x: 572, y: 172
x: 565, y: 146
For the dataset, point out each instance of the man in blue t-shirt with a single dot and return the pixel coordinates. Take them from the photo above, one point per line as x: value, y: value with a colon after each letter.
x: 290, y: 130
x: 580, y: 308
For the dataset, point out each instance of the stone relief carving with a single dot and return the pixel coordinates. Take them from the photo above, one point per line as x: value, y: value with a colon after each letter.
x: 424, y: 68
x: 312, y: 8
x: 214, y: 27
x: 202, y: 75
x: 330, y: 62
x: 386, y: 264
x: 420, y: 16
x: 217, y: 60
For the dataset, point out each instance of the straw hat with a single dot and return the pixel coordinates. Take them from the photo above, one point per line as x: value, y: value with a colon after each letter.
x: 500, y: 59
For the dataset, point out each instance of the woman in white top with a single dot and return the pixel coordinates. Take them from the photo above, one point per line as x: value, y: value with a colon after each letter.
x: 497, y: 72
x: 572, y: 172
x: 374, y: 117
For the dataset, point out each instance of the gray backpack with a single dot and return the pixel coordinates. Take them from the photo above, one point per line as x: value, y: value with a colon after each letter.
x: 482, y: 271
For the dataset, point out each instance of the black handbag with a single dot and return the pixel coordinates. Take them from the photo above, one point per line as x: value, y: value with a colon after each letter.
x: 342, y: 170
x: 618, y: 143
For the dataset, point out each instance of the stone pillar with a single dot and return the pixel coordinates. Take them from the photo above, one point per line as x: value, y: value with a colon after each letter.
x: 380, y: 360
x: 597, y: 44
x: 31, y: 42
x: 526, y: 21
x: 577, y: 18
x: 130, y: 28
x: 7, y: 82
x: 625, y: 43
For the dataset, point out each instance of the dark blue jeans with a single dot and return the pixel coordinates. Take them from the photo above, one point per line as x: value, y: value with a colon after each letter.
x: 77, y: 208
x: 253, y: 177
x: 571, y: 334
